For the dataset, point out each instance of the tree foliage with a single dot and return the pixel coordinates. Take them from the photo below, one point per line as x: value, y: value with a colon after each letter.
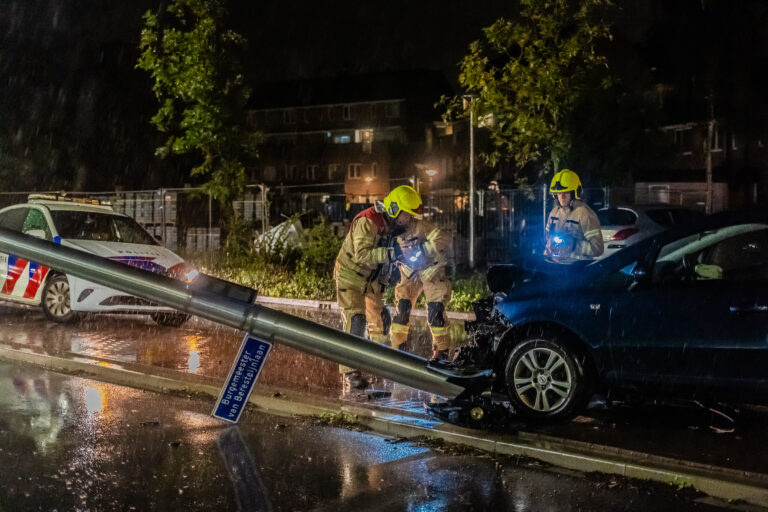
x: 193, y: 61
x: 530, y: 72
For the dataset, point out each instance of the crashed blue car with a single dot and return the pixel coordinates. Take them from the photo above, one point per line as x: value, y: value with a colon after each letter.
x: 683, y: 314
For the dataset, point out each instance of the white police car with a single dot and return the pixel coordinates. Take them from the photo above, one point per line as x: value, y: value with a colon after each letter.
x: 91, y: 226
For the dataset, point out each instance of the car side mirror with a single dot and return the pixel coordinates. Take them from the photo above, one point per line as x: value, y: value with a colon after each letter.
x: 639, y: 273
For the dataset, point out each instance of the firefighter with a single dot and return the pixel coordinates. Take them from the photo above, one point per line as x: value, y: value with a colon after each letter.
x: 367, y: 253
x: 423, y: 267
x: 572, y: 229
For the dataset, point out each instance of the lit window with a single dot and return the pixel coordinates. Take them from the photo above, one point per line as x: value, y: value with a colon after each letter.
x: 342, y: 139
x: 364, y: 136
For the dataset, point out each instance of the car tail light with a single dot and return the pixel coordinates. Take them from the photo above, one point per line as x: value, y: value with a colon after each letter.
x: 624, y: 234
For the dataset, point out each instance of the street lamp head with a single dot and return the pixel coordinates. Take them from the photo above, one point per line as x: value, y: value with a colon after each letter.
x: 368, y: 179
x: 431, y: 172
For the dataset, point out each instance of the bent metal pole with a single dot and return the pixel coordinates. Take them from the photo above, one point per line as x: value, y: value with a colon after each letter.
x: 261, y: 321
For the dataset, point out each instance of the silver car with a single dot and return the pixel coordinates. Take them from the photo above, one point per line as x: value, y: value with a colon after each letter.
x: 626, y: 225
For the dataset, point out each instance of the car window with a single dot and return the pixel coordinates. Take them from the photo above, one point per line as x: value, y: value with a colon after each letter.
x: 104, y: 227
x: 35, y: 221
x: 740, y: 258
x: 14, y: 219
x: 685, y: 216
x: 662, y: 216
x: 737, y: 252
x: 616, y: 217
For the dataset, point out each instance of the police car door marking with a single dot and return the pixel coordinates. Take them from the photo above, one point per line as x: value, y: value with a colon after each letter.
x: 15, y: 268
x: 35, y: 281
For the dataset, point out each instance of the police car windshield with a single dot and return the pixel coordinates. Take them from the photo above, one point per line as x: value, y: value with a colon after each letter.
x: 83, y: 225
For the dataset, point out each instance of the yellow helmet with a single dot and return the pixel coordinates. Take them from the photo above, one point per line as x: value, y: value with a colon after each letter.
x: 566, y: 181
x: 406, y: 199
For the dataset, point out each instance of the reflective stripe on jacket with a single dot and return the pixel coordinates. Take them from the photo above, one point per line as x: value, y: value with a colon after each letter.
x: 437, y: 245
x: 580, y: 222
x: 362, y: 251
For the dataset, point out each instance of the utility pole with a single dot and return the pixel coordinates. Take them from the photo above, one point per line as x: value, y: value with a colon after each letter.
x: 710, y: 130
x: 708, y: 149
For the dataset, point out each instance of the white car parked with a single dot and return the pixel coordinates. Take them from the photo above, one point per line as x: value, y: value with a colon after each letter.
x: 626, y: 225
x: 93, y: 227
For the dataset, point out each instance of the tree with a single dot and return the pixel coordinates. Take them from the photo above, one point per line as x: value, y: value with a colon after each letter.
x: 193, y: 61
x: 529, y: 74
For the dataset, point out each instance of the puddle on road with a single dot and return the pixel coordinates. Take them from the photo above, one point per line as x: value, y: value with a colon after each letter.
x: 199, y: 347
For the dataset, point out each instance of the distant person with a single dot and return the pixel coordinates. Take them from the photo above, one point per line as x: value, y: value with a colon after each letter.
x: 368, y: 251
x: 572, y: 229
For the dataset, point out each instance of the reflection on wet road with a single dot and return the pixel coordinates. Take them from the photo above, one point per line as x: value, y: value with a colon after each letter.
x: 199, y: 346
x: 68, y: 443
x: 204, y: 348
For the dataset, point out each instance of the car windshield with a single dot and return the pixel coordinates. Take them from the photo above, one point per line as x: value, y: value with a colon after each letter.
x: 676, y: 250
x: 104, y: 227
x: 616, y: 217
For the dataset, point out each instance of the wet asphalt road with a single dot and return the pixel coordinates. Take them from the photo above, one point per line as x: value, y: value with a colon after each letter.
x: 203, y: 348
x: 69, y: 443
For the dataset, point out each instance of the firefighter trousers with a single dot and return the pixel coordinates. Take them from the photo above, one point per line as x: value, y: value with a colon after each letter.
x: 437, y: 292
x: 361, y: 309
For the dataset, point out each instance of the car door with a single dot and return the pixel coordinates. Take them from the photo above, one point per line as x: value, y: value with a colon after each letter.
x: 693, y: 323
x: 12, y: 218
x: 35, y: 224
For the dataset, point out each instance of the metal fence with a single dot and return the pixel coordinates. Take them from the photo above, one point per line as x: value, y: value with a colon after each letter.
x: 508, y: 222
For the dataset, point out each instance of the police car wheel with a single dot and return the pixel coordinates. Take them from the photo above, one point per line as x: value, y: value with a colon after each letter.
x: 55, y: 300
x: 545, y: 380
x: 170, y: 319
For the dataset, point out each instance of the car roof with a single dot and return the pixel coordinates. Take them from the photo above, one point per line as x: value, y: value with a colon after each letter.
x: 650, y: 206
x: 59, y: 206
x: 677, y: 231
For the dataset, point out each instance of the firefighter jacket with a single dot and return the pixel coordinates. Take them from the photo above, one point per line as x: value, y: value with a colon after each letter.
x: 364, y: 249
x: 430, y: 253
x: 579, y: 222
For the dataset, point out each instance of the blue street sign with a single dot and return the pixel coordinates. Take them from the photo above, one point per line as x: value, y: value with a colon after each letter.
x: 238, y: 386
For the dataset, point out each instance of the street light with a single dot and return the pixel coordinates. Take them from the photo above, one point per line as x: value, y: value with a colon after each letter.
x: 368, y: 179
x: 468, y: 102
x: 431, y: 173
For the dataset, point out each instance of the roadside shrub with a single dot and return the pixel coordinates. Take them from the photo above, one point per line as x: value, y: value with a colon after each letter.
x: 307, y: 273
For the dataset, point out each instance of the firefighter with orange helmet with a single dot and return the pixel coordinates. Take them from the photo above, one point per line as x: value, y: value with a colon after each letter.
x: 368, y: 252
x: 572, y: 229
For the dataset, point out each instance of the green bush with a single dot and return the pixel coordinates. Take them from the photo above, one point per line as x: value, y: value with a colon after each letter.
x: 307, y: 273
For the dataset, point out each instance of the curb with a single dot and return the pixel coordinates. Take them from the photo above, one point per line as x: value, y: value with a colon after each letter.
x: 327, y: 305
x: 718, y: 482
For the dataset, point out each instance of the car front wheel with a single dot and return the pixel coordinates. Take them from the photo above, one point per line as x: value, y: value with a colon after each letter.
x: 56, y: 302
x: 545, y: 381
x: 170, y: 319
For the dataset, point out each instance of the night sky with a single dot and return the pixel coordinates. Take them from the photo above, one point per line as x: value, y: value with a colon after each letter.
x: 74, y: 110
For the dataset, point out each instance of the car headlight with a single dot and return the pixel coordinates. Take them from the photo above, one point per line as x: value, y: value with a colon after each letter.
x: 183, y: 271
